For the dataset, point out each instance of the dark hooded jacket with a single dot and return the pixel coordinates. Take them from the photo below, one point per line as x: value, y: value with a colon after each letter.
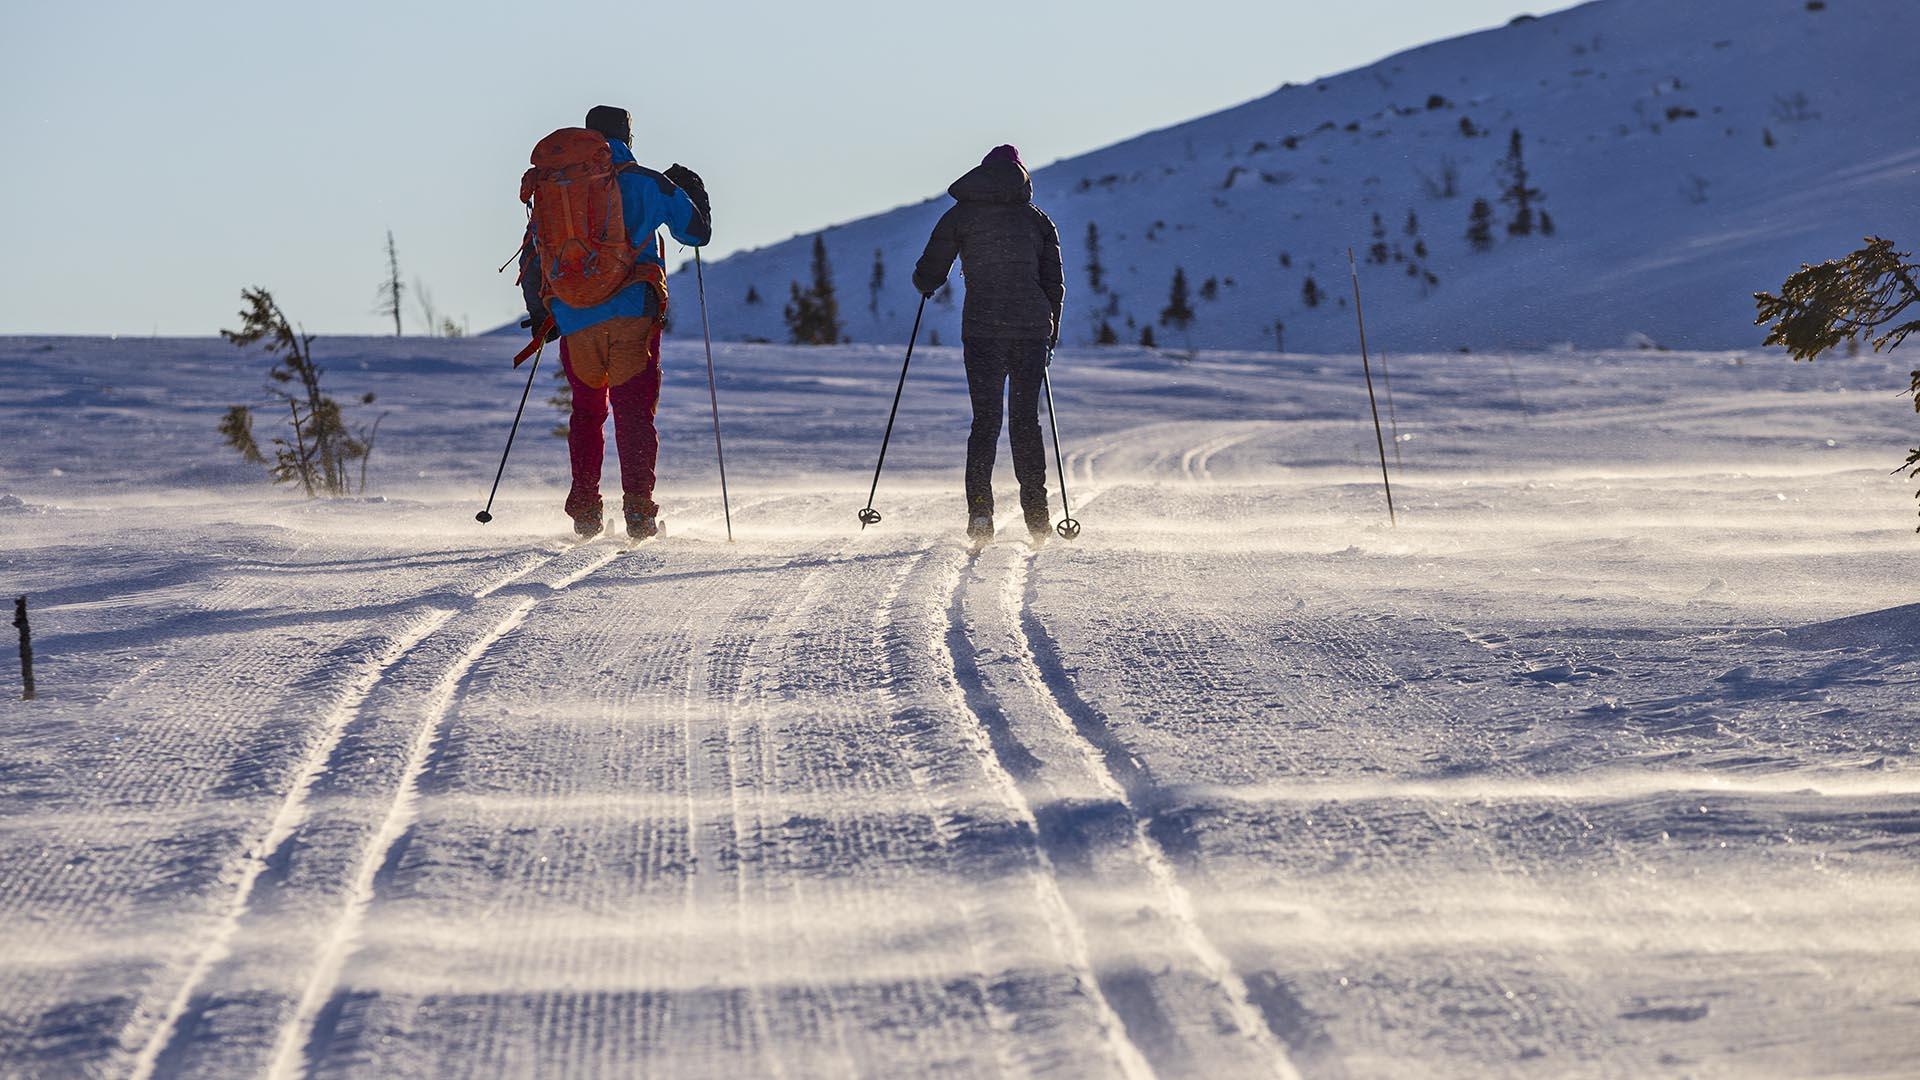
x: 1008, y: 250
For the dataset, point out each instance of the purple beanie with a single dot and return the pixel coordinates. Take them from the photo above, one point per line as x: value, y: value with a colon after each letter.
x: 1004, y: 152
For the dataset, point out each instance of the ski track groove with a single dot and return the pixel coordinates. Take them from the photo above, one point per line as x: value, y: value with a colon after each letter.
x: 1123, y: 780
x: 805, y: 613
x: 291, y: 814
x: 292, y: 1044
x: 1064, y: 926
x: 720, y: 675
x: 713, y: 686
x: 853, y: 650
x: 290, y: 1055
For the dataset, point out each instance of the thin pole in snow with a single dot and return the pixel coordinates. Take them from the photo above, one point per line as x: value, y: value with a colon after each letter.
x: 870, y: 516
x: 1366, y: 366
x: 486, y: 515
x: 713, y: 394
x: 26, y: 648
x: 1393, y: 419
x: 1068, y: 528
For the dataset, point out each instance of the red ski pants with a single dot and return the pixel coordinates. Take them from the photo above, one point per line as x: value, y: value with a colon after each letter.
x: 614, y: 367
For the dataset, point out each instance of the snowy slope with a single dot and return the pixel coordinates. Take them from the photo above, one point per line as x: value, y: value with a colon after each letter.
x: 1602, y: 764
x: 1645, y: 125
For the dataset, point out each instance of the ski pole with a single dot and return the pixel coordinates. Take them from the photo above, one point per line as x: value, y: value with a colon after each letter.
x: 713, y: 394
x: 870, y: 516
x: 1068, y: 528
x: 1367, y: 367
x: 1393, y: 418
x: 486, y: 515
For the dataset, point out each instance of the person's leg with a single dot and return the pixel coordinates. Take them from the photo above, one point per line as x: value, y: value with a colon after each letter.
x: 635, y: 394
x: 1027, y: 366
x: 586, y: 426
x: 986, y: 384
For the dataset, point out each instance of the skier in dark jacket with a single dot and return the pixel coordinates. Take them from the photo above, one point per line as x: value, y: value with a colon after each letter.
x: 1010, y: 255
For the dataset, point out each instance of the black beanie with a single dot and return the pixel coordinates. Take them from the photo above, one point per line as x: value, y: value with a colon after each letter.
x: 611, y: 121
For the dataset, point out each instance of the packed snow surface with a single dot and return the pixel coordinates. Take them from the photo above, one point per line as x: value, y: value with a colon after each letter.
x: 1601, y: 763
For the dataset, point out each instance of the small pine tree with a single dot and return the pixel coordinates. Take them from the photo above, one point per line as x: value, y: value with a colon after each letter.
x: 1311, y: 293
x: 876, y: 282
x: 823, y: 293
x: 322, y: 447
x: 1839, y: 301
x: 1105, y: 335
x: 1546, y: 224
x: 1519, y: 192
x: 1096, y: 273
x: 1412, y: 227
x: 392, y: 290
x: 1480, y: 226
x: 1146, y: 337
x: 813, y: 313
x: 1179, y: 312
x: 1378, y: 252
x: 1279, y: 336
x: 1210, y: 289
x: 753, y: 295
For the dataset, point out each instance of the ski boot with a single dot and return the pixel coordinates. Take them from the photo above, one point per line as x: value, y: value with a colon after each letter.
x: 979, y: 532
x: 643, y: 518
x: 587, y: 525
x: 1039, y: 530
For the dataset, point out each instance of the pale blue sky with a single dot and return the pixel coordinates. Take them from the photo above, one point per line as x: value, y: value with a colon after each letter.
x: 162, y: 156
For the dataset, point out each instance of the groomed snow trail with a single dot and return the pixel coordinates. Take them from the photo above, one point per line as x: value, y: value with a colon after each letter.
x: 293, y: 812
x: 1086, y: 793
x: 1599, y: 766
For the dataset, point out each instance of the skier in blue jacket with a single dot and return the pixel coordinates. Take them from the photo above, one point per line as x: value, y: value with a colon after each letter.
x: 611, y: 350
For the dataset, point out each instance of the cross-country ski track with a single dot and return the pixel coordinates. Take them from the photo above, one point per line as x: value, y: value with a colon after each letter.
x: 1600, y: 765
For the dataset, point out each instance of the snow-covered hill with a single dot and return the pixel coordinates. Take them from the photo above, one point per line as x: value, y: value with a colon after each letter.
x: 1688, y: 153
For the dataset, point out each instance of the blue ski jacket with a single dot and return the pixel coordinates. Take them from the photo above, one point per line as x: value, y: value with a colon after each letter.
x: 648, y: 201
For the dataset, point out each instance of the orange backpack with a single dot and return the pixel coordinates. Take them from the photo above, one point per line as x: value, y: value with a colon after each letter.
x: 578, y: 226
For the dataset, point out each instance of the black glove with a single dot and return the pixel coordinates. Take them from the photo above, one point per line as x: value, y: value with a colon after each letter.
x: 553, y: 330
x: 689, y: 181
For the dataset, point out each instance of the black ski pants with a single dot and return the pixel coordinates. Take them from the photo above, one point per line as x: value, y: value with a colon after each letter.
x: 1003, y: 378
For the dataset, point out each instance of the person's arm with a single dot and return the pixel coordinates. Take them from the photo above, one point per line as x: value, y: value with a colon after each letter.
x: 937, y: 260
x: 531, y: 282
x: 689, y: 212
x: 1053, y: 280
x: 662, y: 202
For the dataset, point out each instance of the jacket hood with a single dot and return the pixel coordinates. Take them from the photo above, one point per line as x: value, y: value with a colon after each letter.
x: 621, y: 153
x: 995, y: 181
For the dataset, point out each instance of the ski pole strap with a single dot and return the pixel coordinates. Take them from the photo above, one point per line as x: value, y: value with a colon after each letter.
x: 539, y: 338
